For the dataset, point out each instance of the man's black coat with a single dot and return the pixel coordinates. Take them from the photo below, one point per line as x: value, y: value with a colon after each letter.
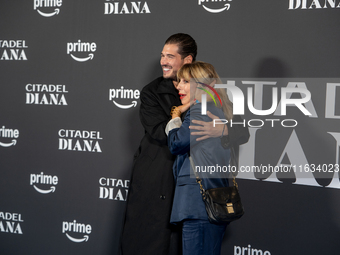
x: 147, y: 229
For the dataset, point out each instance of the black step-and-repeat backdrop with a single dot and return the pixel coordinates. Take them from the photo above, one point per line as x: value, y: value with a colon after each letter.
x: 71, y: 73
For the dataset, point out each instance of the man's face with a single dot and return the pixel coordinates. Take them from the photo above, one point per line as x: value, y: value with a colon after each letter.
x: 171, y: 61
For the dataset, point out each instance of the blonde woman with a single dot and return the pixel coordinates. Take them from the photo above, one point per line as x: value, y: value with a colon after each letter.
x: 199, y: 236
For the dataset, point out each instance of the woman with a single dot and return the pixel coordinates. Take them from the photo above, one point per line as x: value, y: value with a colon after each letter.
x: 199, y: 236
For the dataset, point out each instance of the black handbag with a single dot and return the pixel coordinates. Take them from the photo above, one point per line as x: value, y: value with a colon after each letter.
x: 223, y: 205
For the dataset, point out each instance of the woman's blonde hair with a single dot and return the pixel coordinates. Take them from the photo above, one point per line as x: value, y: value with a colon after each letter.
x: 205, y: 73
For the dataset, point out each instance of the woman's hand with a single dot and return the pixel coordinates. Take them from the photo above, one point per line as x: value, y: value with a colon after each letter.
x: 177, y: 111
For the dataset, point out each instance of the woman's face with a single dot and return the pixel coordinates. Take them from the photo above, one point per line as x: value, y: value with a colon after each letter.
x: 184, y: 90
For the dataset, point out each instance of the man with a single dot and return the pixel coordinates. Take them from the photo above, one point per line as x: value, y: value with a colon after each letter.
x: 146, y: 228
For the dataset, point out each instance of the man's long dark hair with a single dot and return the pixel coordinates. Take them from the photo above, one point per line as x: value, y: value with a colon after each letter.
x: 186, y: 45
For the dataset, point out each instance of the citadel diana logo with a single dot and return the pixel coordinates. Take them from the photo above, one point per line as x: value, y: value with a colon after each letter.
x: 116, y: 7
x: 313, y: 4
x: 13, y: 50
x: 11, y: 223
x: 79, y: 140
x: 43, y: 94
x: 215, y: 6
x: 113, y: 189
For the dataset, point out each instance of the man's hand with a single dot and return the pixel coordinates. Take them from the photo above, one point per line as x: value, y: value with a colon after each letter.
x: 207, y: 129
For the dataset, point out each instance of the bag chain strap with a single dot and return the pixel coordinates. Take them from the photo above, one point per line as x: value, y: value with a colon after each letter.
x: 199, y: 181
